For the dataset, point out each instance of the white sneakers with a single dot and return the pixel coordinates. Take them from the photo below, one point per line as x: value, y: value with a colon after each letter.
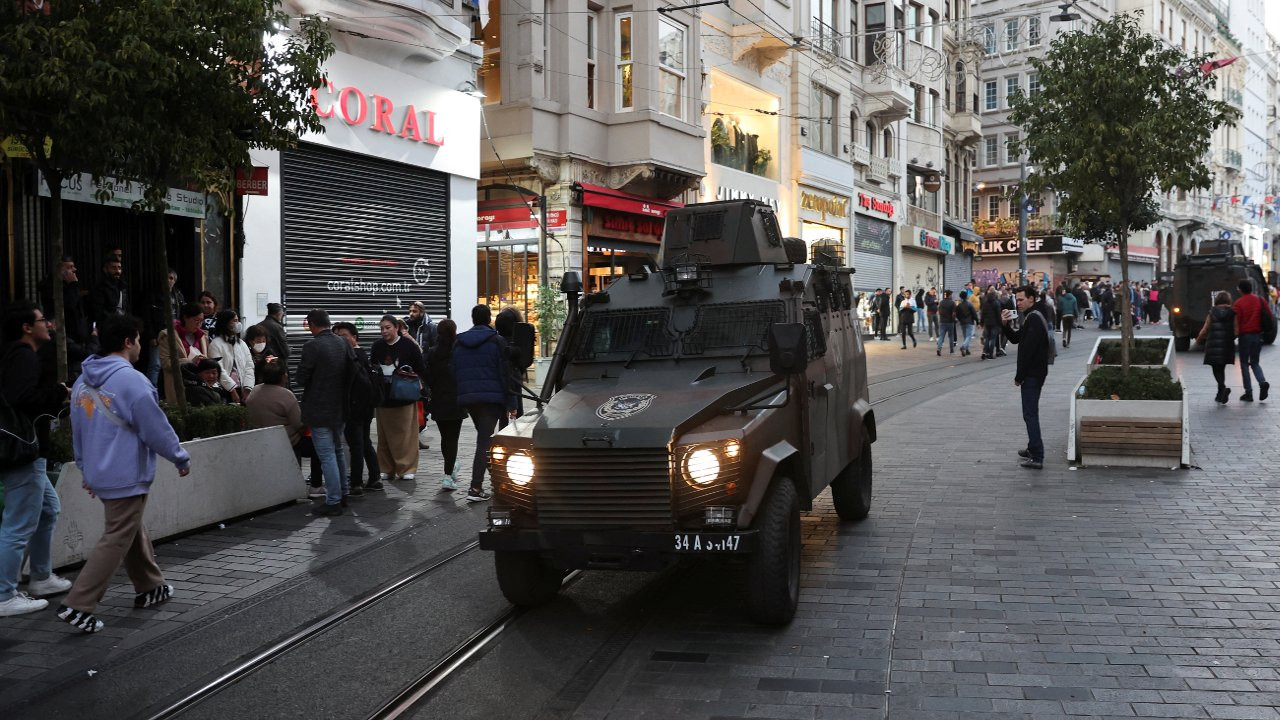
x: 21, y: 604
x: 407, y: 476
x: 52, y: 585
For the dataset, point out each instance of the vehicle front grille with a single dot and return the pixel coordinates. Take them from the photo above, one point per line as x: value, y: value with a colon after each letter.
x: 598, y: 487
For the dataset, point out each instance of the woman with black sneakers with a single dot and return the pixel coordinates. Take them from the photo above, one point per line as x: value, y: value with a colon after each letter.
x: 1218, y: 336
x: 444, y: 400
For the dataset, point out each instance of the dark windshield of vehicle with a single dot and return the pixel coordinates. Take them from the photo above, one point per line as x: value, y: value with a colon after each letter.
x: 610, y: 334
x: 646, y: 332
x: 733, y: 326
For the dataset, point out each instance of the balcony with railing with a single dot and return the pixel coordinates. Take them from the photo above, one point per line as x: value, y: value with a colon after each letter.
x: 1232, y: 159
x: 890, y: 96
x: 966, y: 125
x: 861, y: 155
x: 826, y: 39
x: 1234, y: 97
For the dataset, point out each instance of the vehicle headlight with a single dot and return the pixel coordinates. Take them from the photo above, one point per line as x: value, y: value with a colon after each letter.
x: 701, y: 466
x: 520, y: 468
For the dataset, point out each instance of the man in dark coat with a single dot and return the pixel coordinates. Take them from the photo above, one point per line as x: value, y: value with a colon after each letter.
x: 75, y: 318
x: 884, y: 309
x: 110, y: 296
x: 482, y: 369
x: 1034, y: 348
x: 277, y: 337
x: 324, y: 374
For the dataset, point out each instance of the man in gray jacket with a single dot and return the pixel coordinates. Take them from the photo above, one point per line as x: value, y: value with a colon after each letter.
x: 324, y: 374
x: 277, y: 338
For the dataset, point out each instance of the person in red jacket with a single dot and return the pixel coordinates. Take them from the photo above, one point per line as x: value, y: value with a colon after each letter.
x: 1249, y: 313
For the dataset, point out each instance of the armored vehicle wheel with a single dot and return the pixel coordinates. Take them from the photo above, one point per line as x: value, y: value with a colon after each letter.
x: 1181, y: 344
x: 526, y: 579
x: 773, y: 572
x: 851, y: 490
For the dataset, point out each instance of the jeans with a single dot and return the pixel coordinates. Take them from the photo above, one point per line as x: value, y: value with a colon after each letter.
x: 933, y: 325
x: 966, y: 329
x: 944, y: 330
x: 920, y: 321
x: 333, y: 462
x: 1250, y: 350
x: 485, y: 418
x: 361, y: 448
x: 991, y: 341
x: 1031, y: 388
x: 153, y: 369
x: 31, y: 510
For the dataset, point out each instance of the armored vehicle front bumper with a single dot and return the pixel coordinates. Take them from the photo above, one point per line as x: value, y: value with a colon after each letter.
x: 619, y: 549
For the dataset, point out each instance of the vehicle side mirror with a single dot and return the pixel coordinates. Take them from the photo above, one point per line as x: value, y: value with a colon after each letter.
x: 788, y: 349
x: 571, y: 282
x: 523, y: 337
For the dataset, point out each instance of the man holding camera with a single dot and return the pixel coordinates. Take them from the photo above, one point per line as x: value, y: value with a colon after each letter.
x: 1034, y: 346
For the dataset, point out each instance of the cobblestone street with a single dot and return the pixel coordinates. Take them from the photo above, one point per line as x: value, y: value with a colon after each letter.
x: 975, y: 589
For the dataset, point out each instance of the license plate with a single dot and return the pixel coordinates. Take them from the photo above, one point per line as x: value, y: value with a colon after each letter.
x: 694, y: 542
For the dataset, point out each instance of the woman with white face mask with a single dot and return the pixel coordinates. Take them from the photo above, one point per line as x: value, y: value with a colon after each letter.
x: 233, y: 355
x: 256, y: 338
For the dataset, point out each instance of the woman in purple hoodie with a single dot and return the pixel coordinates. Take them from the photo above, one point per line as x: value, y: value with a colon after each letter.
x: 117, y: 429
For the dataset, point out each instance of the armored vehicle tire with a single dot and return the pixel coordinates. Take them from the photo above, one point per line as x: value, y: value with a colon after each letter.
x: 526, y: 579
x: 773, y: 572
x: 851, y: 489
x: 1181, y: 344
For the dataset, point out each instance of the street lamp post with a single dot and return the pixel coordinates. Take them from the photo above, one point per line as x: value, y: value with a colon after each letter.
x: 542, y: 224
x: 1022, y: 221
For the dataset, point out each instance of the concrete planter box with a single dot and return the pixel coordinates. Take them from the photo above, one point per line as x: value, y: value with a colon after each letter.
x: 1165, y: 411
x: 1168, y: 353
x: 231, y: 475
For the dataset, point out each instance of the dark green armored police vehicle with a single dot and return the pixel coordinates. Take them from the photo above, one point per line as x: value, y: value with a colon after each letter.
x: 695, y: 410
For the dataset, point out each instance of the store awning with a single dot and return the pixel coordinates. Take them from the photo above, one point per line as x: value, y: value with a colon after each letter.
x: 961, y: 233
x: 505, y: 217
x: 603, y: 197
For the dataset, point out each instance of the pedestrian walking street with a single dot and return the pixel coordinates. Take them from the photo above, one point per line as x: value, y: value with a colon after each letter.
x: 975, y: 589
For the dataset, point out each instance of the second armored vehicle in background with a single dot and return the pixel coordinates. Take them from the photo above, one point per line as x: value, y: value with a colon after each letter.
x: 1219, y: 265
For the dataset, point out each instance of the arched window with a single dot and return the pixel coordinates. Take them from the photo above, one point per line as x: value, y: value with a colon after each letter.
x: 871, y: 137
x: 960, y: 86
x: 888, y: 143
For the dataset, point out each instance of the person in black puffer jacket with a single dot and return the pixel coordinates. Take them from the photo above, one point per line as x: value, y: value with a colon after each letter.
x: 445, y: 410
x: 483, y: 373
x: 1218, y: 336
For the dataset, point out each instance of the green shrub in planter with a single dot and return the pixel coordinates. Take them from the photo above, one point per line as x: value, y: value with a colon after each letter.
x: 1145, y: 352
x: 1138, y: 384
x: 196, y: 423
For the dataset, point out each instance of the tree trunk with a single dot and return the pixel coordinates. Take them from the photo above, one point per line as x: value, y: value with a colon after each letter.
x: 55, y: 262
x: 166, y: 304
x: 1126, y: 314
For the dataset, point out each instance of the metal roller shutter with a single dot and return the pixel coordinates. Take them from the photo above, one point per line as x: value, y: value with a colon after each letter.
x: 362, y: 237
x: 920, y: 269
x: 872, y: 253
x: 959, y: 271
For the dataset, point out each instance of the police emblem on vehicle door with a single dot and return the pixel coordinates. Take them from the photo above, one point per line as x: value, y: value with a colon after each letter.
x: 624, y: 406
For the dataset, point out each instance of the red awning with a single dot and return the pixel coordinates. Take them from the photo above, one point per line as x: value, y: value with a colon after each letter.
x: 603, y: 197
x: 505, y: 218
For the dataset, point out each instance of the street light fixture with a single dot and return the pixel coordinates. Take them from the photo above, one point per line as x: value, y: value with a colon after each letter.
x: 1066, y: 14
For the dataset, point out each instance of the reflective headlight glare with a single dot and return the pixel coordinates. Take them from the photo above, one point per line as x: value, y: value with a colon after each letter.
x: 701, y: 466
x: 520, y: 468
x: 732, y: 449
x: 498, y: 453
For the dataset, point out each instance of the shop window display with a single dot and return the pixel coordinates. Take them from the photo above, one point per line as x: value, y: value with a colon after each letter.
x: 741, y: 138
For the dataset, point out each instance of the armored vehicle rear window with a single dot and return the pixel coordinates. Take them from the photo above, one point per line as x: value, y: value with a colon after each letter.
x: 609, y: 334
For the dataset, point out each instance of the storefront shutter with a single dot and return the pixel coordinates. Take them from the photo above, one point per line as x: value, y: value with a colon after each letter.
x: 920, y: 269
x: 959, y: 271
x: 873, y: 253
x: 362, y: 237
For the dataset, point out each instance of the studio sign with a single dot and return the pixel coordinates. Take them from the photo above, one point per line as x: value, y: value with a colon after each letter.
x: 354, y: 107
x: 824, y: 204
